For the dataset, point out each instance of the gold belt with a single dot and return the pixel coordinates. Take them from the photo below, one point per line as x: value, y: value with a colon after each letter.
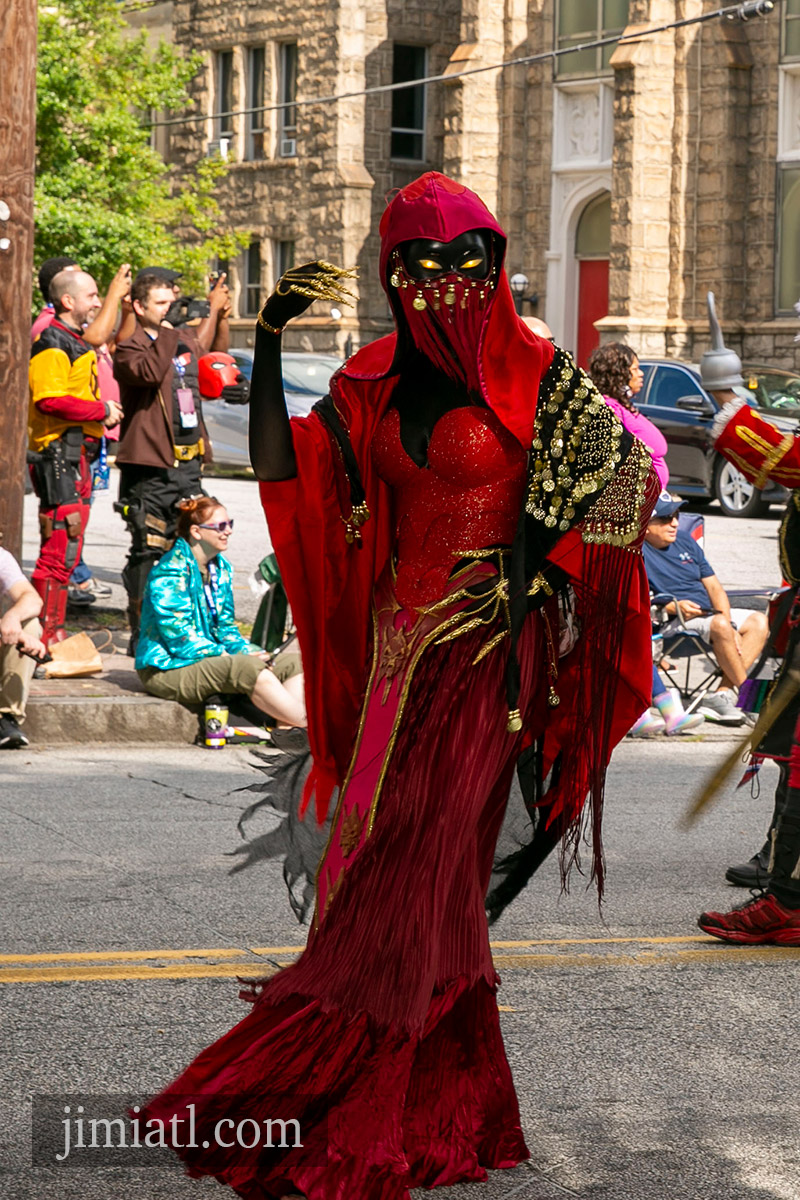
x: 187, y: 453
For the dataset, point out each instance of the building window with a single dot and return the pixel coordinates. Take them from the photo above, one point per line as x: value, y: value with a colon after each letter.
x: 788, y: 273
x: 287, y: 94
x: 282, y: 258
x: 255, y: 100
x: 408, y: 104
x: 585, y: 21
x: 252, y: 276
x: 224, y: 96
x: 791, y: 29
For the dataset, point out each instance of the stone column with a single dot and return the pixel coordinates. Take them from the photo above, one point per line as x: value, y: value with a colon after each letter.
x: 473, y: 106
x: 642, y: 165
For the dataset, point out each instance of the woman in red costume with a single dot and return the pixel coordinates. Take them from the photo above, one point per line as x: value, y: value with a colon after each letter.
x: 446, y: 521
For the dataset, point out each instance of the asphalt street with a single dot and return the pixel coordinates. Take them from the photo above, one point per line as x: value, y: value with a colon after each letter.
x: 650, y: 1061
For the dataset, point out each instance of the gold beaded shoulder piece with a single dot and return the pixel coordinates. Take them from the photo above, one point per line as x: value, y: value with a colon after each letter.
x: 577, y: 450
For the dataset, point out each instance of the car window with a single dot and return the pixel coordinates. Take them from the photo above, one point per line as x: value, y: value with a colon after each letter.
x: 669, y: 384
x: 244, y: 362
x: 309, y: 375
x: 775, y: 391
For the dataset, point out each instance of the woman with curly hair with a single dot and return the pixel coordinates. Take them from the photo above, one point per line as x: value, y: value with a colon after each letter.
x: 614, y: 370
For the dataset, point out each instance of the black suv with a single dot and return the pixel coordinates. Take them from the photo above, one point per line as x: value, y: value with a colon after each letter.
x: 673, y: 399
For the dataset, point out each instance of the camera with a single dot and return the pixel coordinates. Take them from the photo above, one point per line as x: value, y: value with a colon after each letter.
x: 186, y: 309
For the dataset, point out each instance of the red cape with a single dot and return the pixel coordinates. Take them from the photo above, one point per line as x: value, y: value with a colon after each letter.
x: 330, y: 583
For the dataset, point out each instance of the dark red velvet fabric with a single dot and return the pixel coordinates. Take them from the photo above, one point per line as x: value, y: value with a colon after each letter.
x: 384, y: 1037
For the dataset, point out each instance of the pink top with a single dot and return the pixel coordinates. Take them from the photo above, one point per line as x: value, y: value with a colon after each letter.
x: 646, y: 432
x: 45, y: 318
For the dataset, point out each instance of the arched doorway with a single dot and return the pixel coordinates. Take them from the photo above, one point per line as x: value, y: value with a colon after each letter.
x: 592, y: 249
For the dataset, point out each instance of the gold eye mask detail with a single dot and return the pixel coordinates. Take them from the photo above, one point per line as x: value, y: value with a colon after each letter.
x: 471, y: 264
x: 430, y: 264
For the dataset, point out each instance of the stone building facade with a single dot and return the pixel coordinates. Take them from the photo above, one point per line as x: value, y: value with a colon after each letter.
x: 630, y: 178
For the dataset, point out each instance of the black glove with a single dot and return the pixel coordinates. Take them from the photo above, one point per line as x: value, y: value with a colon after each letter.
x: 236, y: 393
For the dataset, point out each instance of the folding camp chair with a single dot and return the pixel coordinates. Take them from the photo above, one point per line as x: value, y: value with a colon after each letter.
x: 677, y: 643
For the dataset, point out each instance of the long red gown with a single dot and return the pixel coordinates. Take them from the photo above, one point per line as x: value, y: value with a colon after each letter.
x: 383, y: 1039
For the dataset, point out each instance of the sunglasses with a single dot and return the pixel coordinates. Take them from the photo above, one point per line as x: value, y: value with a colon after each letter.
x: 220, y: 526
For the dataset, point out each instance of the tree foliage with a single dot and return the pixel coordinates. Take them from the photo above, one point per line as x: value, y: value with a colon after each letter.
x: 103, y: 194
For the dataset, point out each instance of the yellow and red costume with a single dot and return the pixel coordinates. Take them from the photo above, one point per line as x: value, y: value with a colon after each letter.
x: 65, y: 425
x: 763, y: 452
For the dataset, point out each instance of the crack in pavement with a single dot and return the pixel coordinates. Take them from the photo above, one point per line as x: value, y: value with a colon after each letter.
x: 186, y: 795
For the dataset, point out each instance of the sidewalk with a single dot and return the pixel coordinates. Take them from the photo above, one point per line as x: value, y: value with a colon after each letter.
x: 114, y: 707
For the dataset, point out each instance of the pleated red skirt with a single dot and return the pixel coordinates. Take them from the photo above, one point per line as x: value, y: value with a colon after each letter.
x: 383, y: 1040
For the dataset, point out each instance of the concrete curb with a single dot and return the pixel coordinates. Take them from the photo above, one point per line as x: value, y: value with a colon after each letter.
x: 109, y: 708
x: 113, y: 708
x: 120, y: 720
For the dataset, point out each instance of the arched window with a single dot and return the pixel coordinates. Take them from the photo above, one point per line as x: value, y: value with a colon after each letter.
x: 593, y: 236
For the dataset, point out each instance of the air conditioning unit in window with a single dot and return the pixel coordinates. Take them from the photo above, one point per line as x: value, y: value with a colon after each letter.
x: 220, y: 147
x: 288, y: 147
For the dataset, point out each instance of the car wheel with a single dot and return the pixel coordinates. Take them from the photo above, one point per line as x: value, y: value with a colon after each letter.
x: 737, y: 496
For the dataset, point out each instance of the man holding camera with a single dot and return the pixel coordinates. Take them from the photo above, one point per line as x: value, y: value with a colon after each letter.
x: 163, y: 440
x: 66, y: 420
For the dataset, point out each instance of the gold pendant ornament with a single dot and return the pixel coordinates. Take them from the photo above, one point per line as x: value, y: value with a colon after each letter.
x: 514, y: 721
x: 450, y: 295
x: 395, y: 280
x: 419, y: 302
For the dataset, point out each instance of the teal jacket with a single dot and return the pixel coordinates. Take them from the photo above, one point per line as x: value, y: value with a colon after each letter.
x: 179, y: 626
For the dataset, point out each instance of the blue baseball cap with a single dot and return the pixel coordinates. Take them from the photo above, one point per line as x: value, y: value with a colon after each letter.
x: 667, y: 505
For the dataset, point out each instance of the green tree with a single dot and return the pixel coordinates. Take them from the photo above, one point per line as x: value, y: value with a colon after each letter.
x: 103, y: 194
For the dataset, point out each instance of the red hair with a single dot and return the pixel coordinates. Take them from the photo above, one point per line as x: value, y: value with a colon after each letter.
x: 195, y: 511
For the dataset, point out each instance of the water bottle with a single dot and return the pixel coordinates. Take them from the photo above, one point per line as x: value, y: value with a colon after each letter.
x: 216, y: 723
x: 101, y: 469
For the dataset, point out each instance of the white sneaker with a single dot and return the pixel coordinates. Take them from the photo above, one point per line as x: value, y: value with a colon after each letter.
x: 719, y: 707
x: 97, y: 588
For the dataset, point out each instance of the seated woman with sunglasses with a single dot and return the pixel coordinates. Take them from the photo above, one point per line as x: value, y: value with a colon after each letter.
x: 189, y: 647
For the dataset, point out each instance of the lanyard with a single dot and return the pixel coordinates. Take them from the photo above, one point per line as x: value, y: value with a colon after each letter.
x: 210, y: 590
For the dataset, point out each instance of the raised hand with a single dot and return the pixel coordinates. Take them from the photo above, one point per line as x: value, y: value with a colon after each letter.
x: 298, y: 288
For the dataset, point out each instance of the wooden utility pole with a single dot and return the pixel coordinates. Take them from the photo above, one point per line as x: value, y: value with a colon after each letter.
x: 17, y: 158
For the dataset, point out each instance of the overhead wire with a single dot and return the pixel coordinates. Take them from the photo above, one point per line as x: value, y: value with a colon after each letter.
x: 732, y: 12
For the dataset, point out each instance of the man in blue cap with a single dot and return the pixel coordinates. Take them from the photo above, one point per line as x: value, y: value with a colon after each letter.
x: 677, y: 566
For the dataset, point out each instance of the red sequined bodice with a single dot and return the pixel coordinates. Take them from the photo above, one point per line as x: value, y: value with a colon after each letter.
x: 467, y: 498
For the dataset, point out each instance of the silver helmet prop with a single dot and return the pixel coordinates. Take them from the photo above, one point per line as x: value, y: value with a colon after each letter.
x: 720, y: 368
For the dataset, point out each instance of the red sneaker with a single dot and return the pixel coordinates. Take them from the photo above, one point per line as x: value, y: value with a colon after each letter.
x: 763, y: 919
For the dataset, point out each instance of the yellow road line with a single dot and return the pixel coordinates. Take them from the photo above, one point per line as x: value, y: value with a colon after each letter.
x: 118, y: 955
x: 138, y: 955
x: 709, y: 953
x: 232, y: 952
x: 95, y: 974
x: 716, y: 951
x: 604, y: 941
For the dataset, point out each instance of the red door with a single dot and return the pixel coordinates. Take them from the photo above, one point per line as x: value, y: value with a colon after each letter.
x: 592, y: 304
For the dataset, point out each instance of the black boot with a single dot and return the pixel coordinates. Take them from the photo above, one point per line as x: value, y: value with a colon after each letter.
x: 752, y: 874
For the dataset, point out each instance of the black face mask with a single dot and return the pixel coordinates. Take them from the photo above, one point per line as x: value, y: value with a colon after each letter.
x: 469, y: 255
